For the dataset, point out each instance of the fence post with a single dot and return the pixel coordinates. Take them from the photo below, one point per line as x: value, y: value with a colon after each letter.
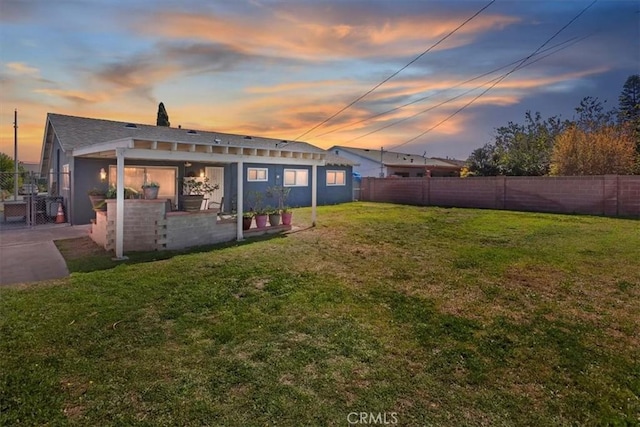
x: 610, y: 184
x: 501, y: 192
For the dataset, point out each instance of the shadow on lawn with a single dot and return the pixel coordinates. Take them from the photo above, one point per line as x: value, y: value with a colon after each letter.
x: 83, y: 255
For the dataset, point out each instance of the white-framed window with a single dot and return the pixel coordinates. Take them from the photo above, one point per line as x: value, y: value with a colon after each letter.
x: 336, y: 178
x: 65, y: 178
x: 135, y: 176
x: 296, y: 177
x: 257, y: 174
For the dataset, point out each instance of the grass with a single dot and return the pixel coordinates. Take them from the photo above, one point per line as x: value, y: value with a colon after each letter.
x: 440, y: 316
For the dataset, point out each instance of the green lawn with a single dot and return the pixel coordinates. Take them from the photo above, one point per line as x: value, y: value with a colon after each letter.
x: 432, y: 316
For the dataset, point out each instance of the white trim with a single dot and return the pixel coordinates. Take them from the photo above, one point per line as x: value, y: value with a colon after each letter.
x: 189, y: 151
x: 120, y: 204
x: 240, y: 202
x: 266, y: 174
x: 105, y: 146
x: 306, y: 171
x: 336, y: 171
x: 183, y: 156
x: 314, y: 193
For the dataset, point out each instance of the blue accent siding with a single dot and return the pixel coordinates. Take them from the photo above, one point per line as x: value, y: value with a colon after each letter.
x: 334, y: 194
x: 86, y: 177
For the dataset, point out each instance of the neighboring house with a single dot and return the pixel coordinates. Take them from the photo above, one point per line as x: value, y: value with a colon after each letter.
x: 374, y: 163
x: 79, y: 154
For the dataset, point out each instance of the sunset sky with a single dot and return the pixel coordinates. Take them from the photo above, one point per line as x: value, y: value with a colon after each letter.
x: 278, y: 68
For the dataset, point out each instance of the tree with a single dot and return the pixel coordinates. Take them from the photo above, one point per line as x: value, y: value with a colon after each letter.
x: 483, y: 161
x: 7, y: 175
x: 518, y: 149
x: 609, y: 149
x: 592, y: 115
x: 629, y: 107
x: 629, y: 100
x: 163, y: 117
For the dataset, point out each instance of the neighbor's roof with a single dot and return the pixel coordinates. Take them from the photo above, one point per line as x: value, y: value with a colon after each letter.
x: 74, y: 132
x: 334, y: 159
x: 392, y: 158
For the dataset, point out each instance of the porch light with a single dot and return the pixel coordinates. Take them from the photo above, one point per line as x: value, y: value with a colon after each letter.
x: 103, y: 175
x: 201, y: 174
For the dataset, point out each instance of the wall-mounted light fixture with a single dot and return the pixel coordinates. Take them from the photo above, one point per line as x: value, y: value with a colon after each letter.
x: 103, y: 175
x: 201, y: 173
x: 187, y: 164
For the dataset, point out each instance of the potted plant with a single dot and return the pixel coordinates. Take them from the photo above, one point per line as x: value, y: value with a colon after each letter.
x: 287, y: 215
x: 281, y: 194
x: 255, y: 199
x: 150, y: 190
x: 129, y: 193
x: 193, y: 191
x: 247, y: 219
x: 274, y: 216
x: 97, y: 198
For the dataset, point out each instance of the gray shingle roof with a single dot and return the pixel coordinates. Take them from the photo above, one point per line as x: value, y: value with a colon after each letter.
x: 74, y: 132
x: 392, y: 158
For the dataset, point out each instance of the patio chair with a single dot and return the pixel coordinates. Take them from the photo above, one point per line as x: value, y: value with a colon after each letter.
x: 217, y: 206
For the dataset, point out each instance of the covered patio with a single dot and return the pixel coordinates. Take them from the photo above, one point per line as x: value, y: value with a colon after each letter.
x: 208, y: 151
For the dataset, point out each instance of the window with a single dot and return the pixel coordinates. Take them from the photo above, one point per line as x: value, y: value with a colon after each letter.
x: 335, y: 178
x: 135, y: 176
x: 296, y: 177
x: 65, y: 178
x: 257, y: 174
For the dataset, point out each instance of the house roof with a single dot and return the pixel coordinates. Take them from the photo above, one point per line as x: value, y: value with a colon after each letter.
x: 455, y: 162
x: 393, y: 158
x: 75, y: 132
x: 334, y: 159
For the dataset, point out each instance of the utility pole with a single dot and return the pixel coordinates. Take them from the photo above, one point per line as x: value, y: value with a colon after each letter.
x: 15, y: 154
x: 381, y: 162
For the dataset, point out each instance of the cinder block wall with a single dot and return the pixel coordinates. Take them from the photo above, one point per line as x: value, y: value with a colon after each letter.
x: 196, y: 229
x: 143, y: 225
x: 148, y: 227
x: 610, y: 195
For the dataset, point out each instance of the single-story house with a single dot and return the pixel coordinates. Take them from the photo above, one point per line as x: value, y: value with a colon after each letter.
x: 79, y: 154
x: 380, y: 163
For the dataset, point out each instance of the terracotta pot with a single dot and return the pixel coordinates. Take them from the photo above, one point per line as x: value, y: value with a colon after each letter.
x: 261, y: 220
x: 286, y: 218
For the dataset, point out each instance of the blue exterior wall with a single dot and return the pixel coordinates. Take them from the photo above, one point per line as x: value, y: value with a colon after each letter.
x: 334, y: 194
x: 85, y: 176
x: 299, y: 196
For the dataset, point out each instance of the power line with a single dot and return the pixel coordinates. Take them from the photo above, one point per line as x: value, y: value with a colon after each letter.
x: 396, y: 73
x: 514, y: 69
x: 397, y: 122
x: 571, y: 42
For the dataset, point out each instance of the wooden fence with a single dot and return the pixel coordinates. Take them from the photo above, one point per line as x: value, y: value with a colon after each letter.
x: 609, y: 195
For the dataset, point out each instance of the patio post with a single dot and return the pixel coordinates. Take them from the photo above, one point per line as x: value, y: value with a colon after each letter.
x: 120, y: 204
x: 240, y: 201
x: 314, y: 193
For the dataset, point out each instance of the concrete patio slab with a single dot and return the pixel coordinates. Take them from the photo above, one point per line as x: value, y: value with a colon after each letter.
x: 29, y: 255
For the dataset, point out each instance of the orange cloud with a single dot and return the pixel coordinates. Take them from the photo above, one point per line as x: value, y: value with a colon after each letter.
x: 22, y: 68
x: 287, y: 35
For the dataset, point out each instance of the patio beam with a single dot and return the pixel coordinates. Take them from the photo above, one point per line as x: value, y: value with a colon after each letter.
x: 107, y: 146
x: 183, y: 156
